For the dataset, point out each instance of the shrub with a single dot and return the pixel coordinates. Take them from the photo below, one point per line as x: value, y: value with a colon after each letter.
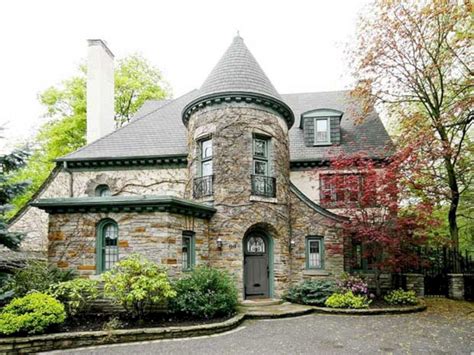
x: 400, y: 297
x: 353, y: 283
x: 31, y: 314
x: 205, y: 293
x: 76, y: 295
x: 314, y: 292
x: 347, y: 300
x: 137, y: 284
x: 37, y: 276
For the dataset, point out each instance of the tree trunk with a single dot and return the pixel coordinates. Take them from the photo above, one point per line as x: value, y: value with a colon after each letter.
x: 378, y: 288
x: 454, y: 203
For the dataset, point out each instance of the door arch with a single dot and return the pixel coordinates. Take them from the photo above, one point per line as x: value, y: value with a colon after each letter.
x: 257, y: 252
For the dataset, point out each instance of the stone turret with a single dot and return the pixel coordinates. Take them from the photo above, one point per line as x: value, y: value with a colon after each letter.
x: 239, y: 161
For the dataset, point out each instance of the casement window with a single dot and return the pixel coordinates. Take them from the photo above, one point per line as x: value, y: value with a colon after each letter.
x: 260, y: 156
x: 107, y: 245
x: 322, y: 130
x: 360, y: 262
x: 314, y: 252
x: 206, y: 157
x: 102, y: 191
x: 188, y: 252
x: 340, y: 190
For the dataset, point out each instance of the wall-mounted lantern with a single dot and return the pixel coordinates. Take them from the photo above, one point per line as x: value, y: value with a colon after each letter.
x: 219, y: 243
x: 292, y: 244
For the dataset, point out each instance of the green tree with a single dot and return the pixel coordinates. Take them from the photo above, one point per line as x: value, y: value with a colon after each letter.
x: 136, y: 80
x: 9, y: 163
x: 414, y: 58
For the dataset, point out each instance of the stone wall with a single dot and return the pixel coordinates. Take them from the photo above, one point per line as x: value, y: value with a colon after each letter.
x: 232, y: 127
x: 305, y: 221
x: 156, y: 235
x: 137, y: 181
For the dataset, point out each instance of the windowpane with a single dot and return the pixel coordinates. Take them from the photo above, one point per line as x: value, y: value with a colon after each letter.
x: 187, y: 260
x: 206, y: 149
x: 256, y: 245
x: 260, y: 148
x: 110, y: 245
x: 321, y: 130
x: 207, y: 168
x: 260, y: 167
x: 314, y: 253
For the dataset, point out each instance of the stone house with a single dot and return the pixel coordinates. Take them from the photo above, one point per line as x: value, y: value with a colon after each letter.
x: 228, y: 176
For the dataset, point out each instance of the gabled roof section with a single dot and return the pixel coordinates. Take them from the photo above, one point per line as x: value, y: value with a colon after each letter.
x: 238, y: 71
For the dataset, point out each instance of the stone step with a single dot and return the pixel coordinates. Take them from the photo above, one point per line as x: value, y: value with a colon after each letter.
x: 262, y: 302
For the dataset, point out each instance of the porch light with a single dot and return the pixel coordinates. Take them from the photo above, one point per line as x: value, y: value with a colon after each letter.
x: 219, y: 243
x: 292, y: 244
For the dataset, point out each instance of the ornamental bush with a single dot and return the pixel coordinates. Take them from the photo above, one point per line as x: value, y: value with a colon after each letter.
x: 137, y: 284
x: 205, y: 293
x: 31, y: 314
x: 401, y: 297
x: 347, y: 300
x: 313, y: 292
x: 353, y: 283
x: 37, y: 276
x: 76, y: 295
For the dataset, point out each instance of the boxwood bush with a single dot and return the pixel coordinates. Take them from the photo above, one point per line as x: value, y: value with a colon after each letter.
x: 31, y: 314
x: 313, y: 292
x: 205, y: 293
x: 401, y: 297
x: 347, y: 300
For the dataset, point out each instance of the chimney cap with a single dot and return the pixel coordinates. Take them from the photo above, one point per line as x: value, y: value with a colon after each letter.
x: 100, y: 42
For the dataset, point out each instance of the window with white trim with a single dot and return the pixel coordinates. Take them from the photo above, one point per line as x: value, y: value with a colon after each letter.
x: 206, y: 157
x: 314, y: 252
x: 322, y: 130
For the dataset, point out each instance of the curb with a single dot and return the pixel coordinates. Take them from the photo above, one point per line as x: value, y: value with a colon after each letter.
x: 372, y: 312
x: 61, y: 341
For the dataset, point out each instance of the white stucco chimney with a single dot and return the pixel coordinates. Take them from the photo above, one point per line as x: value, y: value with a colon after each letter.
x: 100, y: 90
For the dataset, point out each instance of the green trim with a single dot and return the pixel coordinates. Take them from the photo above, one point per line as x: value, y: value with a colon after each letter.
x: 100, y: 260
x: 309, y: 163
x: 320, y: 239
x: 192, y: 249
x: 272, y: 103
x: 108, y: 162
x: 169, y: 204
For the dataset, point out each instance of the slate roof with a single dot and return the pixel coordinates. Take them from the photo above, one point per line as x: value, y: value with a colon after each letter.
x: 238, y: 71
x: 158, y: 131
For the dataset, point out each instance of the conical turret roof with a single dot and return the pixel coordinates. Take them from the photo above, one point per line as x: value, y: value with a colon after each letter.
x: 237, y: 77
x: 238, y: 71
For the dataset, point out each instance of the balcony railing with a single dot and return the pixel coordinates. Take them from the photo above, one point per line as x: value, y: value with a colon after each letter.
x: 263, y: 186
x: 203, y: 186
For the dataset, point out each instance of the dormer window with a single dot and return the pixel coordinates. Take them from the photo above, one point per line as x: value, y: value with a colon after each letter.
x: 322, y: 130
x: 321, y: 127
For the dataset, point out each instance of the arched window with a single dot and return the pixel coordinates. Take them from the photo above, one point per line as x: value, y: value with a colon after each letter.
x: 102, y: 191
x: 256, y: 244
x: 107, y: 245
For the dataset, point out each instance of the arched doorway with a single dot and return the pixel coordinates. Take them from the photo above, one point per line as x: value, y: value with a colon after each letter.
x: 256, y: 265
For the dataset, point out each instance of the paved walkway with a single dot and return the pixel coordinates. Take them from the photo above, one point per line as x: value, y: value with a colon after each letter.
x: 447, y: 327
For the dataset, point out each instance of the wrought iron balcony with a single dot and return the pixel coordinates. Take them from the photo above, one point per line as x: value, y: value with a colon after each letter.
x: 263, y: 186
x: 203, y: 186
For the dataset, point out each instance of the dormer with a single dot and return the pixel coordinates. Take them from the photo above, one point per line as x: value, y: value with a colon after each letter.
x: 321, y: 127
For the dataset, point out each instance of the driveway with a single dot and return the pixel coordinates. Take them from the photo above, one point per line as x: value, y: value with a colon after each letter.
x: 447, y: 327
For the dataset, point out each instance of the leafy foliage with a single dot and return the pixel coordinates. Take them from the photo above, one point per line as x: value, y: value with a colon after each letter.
x: 347, y: 300
x: 31, y: 314
x: 353, y: 283
x: 137, y: 284
x: 401, y: 297
x: 76, y: 295
x: 313, y: 292
x: 414, y: 59
x: 205, y: 293
x: 37, y: 276
x: 136, y: 81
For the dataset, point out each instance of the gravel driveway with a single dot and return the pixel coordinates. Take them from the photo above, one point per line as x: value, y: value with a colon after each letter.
x: 447, y: 327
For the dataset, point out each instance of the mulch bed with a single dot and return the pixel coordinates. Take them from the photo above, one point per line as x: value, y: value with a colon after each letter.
x: 108, y: 322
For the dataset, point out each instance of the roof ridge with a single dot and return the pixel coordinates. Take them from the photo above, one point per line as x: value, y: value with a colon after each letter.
x: 317, y: 92
x: 120, y: 128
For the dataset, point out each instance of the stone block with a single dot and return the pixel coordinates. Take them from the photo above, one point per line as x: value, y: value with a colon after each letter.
x: 456, y: 286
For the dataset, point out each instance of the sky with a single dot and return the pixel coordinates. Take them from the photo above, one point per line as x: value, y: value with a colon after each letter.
x: 299, y: 44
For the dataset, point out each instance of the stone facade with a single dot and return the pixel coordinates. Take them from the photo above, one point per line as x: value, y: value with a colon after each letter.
x: 155, y: 235
x: 456, y: 286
